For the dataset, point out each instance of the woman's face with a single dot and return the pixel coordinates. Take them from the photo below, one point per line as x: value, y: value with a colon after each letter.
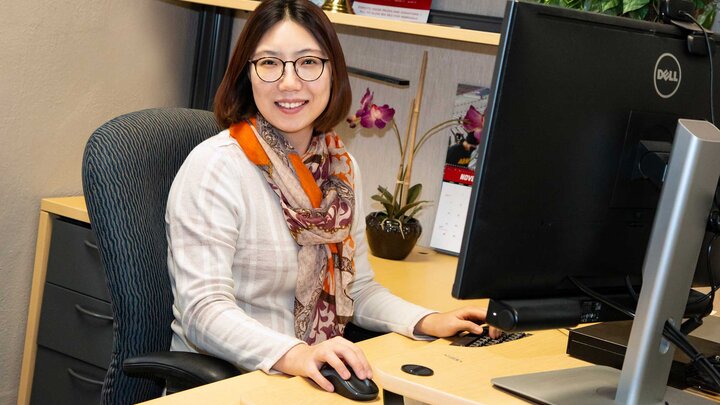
x: 290, y: 104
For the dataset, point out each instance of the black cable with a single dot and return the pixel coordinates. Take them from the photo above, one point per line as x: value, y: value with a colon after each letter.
x: 711, y: 276
x: 670, y: 332
x: 673, y: 334
x: 631, y: 289
x: 599, y: 297
x: 709, y: 49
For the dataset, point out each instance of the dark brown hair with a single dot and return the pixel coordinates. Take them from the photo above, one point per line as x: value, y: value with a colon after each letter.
x: 234, y: 99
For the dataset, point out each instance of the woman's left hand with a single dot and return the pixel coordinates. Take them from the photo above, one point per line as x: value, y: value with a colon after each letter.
x: 450, y: 323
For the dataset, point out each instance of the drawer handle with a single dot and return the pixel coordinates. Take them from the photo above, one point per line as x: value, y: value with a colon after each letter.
x: 94, y: 314
x: 90, y: 244
x: 82, y: 378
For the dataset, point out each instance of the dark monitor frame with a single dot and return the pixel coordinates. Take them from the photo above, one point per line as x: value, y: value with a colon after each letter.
x: 536, y: 215
x: 674, y: 234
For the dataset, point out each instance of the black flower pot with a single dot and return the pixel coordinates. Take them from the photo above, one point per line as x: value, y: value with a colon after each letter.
x: 385, y: 238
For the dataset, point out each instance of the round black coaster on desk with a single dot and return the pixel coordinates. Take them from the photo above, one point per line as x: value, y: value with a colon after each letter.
x: 416, y: 369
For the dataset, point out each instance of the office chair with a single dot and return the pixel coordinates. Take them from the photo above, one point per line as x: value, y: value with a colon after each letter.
x: 128, y: 166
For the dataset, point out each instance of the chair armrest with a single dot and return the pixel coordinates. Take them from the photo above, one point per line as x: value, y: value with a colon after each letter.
x: 184, y: 368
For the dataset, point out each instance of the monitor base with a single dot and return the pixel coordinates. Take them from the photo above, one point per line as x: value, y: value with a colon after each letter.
x: 592, y: 385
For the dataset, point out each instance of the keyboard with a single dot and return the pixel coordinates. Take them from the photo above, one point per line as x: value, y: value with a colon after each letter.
x: 482, y: 340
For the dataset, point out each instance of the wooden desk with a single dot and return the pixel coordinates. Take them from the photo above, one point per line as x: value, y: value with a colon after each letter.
x: 462, y: 375
x: 475, y: 366
x: 425, y: 277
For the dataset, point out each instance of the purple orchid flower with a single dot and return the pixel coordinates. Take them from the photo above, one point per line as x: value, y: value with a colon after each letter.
x: 370, y: 115
x: 366, y: 100
x: 377, y: 116
x: 365, y: 104
x: 474, y: 122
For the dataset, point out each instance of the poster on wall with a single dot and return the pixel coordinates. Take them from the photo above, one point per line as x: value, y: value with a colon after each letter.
x: 459, y: 171
x: 403, y: 10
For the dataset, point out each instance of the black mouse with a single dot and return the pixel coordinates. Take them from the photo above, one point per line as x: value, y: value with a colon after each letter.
x: 353, y: 388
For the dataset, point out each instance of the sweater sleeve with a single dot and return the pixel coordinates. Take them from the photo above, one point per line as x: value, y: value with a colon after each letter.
x: 375, y: 307
x: 203, y: 219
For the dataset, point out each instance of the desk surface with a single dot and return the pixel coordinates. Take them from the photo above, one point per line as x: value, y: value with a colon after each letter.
x: 425, y: 277
x: 69, y: 207
x: 542, y: 351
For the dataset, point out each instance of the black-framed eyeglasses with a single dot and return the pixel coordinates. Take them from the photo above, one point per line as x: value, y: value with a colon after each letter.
x: 307, y: 68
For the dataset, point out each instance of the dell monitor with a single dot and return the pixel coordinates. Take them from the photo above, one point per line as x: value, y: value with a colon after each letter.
x: 572, y: 164
x: 579, y: 100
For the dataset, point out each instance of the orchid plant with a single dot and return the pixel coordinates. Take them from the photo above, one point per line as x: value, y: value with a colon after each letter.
x: 404, y: 202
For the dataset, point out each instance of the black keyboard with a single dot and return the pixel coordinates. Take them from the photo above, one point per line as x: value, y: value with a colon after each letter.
x: 482, y: 340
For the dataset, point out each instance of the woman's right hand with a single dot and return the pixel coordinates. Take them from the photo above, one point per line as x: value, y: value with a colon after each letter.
x: 305, y: 361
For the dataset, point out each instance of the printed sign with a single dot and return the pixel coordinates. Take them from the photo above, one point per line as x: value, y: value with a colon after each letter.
x: 404, y: 10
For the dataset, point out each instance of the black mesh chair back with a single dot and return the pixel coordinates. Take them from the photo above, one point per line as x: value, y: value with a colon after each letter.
x: 128, y: 166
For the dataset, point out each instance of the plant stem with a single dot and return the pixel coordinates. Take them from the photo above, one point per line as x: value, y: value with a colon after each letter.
x: 397, y: 135
x: 400, y: 178
x: 432, y: 131
x: 413, y: 129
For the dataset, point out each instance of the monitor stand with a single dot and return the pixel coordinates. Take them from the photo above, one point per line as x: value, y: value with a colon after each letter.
x: 675, y: 242
x: 592, y: 385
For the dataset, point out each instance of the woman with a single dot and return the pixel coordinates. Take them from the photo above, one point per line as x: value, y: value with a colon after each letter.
x: 267, y: 255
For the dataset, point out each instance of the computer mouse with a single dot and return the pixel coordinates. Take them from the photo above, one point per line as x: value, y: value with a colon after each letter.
x: 353, y: 388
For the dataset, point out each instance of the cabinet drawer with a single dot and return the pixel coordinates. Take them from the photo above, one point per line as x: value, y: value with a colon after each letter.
x: 74, y: 261
x: 76, y: 325
x: 62, y: 380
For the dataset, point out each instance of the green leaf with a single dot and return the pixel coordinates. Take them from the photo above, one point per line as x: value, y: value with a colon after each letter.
x: 381, y: 199
x: 608, y: 5
x: 640, y: 14
x: 707, y: 15
x: 408, y: 206
x: 415, y: 211
x: 414, y: 193
x: 385, y: 193
x: 389, y: 210
x: 595, y: 6
x: 572, y: 3
x: 632, y: 5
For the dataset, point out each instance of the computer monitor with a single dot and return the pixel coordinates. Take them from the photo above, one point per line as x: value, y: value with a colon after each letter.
x: 582, y: 108
x: 578, y: 100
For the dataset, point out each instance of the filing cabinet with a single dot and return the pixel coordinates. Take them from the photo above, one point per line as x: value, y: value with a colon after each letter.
x: 75, y: 333
x: 69, y: 339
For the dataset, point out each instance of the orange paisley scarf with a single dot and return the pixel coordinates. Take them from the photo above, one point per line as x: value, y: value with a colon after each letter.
x: 316, y: 192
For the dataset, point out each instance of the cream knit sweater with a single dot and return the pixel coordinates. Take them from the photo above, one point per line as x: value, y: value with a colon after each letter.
x: 233, y: 263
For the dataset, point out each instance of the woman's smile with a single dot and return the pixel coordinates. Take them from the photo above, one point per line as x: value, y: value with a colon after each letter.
x: 291, y: 104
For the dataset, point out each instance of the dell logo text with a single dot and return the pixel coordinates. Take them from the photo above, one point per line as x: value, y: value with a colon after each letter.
x: 667, y: 75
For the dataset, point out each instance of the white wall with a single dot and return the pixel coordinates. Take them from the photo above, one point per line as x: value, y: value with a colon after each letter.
x: 65, y: 68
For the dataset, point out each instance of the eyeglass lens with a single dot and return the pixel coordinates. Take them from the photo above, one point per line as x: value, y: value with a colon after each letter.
x: 308, y: 68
